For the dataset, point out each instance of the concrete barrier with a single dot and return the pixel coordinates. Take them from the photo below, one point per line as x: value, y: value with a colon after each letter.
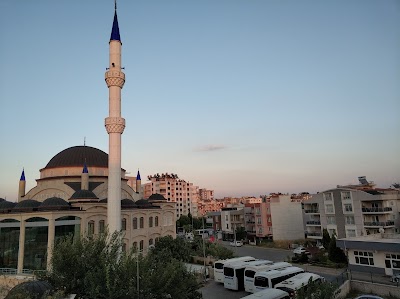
x: 375, y: 288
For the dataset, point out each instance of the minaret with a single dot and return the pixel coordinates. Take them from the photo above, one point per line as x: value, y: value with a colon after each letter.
x: 85, y: 178
x: 138, y: 182
x: 22, y: 185
x: 115, y: 125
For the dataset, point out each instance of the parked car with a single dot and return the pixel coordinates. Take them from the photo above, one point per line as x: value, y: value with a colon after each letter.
x: 395, y: 278
x: 299, y: 250
x: 236, y: 243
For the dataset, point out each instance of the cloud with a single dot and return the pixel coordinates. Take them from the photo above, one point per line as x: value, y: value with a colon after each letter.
x: 210, y: 148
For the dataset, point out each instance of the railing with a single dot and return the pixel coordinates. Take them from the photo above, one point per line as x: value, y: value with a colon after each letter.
x: 314, y: 234
x: 314, y: 222
x: 377, y: 210
x: 379, y: 223
x: 250, y: 221
x: 8, y: 271
x: 311, y: 211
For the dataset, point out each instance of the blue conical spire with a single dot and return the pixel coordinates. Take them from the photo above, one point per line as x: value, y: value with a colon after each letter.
x: 22, y: 175
x: 115, y: 28
x: 85, y: 170
x: 138, y: 176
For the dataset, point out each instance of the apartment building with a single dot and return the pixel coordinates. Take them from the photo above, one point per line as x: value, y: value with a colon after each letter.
x: 352, y: 211
x: 183, y: 193
x: 258, y: 221
x: 206, y: 206
x: 206, y: 195
x: 286, y: 216
x: 231, y: 219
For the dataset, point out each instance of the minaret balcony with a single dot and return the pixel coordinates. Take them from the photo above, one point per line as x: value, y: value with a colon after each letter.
x: 115, y: 78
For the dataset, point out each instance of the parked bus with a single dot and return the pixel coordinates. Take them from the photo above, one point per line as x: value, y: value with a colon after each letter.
x: 268, y: 294
x: 268, y: 279
x: 293, y: 284
x: 204, y: 233
x: 219, y: 266
x: 251, y: 270
x: 234, y: 273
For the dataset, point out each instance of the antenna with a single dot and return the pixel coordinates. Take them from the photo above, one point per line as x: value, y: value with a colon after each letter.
x: 84, y: 141
x: 115, y: 4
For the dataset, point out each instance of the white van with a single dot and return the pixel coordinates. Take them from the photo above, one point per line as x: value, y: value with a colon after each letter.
x: 268, y: 294
x: 251, y: 270
x: 295, y: 283
x: 219, y: 266
x: 268, y: 279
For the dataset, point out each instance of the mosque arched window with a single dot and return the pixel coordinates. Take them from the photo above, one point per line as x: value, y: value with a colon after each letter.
x: 150, y: 242
x: 141, y: 222
x: 123, y: 224
x: 150, y: 221
x: 156, y: 221
x: 141, y: 245
x: 102, y: 226
x: 90, y: 228
x: 134, y: 223
x: 134, y: 245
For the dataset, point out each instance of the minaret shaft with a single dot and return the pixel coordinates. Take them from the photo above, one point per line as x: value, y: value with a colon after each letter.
x: 115, y: 126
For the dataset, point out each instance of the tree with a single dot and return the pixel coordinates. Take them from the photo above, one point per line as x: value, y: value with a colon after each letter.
x: 96, y: 268
x: 178, y: 248
x: 183, y: 220
x: 241, y: 233
x: 336, y: 254
x: 318, y: 290
x: 326, y: 238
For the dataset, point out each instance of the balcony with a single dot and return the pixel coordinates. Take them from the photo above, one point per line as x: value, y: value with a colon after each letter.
x: 250, y: 221
x: 313, y: 211
x: 314, y: 235
x: 251, y: 232
x: 377, y: 210
x: 379, y: 223
x: 313, y: 222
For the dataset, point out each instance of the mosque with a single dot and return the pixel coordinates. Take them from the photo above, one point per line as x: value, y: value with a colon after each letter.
x: 83, y: 191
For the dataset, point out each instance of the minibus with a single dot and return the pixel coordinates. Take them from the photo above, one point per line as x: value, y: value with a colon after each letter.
x: 295, y: 283
x: 251, y: 270
x: 234, y: 273
x: 219, y: 266
x: 268, y: 279
x: 268, y: 294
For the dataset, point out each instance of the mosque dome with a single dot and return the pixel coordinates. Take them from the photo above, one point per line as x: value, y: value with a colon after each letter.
x: 5, y: 205
x: 33, y: 289
x: 84, y: 194
x: 54, y: 203
x: 26, y: 205
x: 77, y: 156
x: 2, y: 199
x: 128, y: 203
x: 156, y: 196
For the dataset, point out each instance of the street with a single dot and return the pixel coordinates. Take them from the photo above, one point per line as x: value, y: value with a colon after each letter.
x: 214, y: 290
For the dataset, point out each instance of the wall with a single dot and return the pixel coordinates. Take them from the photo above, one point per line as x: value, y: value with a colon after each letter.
x: 8, y: 282
x: 375, y: 288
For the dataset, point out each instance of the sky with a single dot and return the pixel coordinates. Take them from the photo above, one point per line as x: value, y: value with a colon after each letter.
x: 241, y: 97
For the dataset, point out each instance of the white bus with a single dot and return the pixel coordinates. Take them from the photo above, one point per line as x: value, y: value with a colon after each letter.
x: 293, y: 284
x: 251, y: 270
x: 219, y: 266
x: 204, y: 233
x: 234, y: 273
x: 268, y: 279
x: 268, y: 294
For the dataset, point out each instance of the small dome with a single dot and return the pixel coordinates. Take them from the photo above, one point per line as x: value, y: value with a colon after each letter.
x: 156, y: 196
x: 84, y: 194
x: 142, y: 202
x: 26, y: 205
x: 54, y: 203
x: 5, y: 205
x: 128, y: 203
x: 33, y: 289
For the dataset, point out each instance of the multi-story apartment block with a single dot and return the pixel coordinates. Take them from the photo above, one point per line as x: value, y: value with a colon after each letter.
x: 258, y: 222
x: 183, y: 193
x: 287, y: 219
x: 351, y: 211
x: 205, y: 194
x: 206, y: 206
x: 231, y: 219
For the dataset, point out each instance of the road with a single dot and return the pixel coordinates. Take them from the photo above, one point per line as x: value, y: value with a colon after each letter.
x: 214, y: 290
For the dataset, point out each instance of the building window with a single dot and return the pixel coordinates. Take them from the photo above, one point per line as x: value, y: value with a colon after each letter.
x: 332, y: 232
x: 123, y: 224
x: 134, y: 223
x: 328, y: 196
x: 329, y: 208
x: 260, y: 230
x: 364, y: 258
x: 141, y: 245
x: 346, y: 195
x: 258, y: 220
x: 350, y: 233
x: 150, y: 221
x: 102, y: 226
x: 331, y: 219
x: 349, y: 220
x: 141, y: 222
x: 156, y: 221
x: 150, y: 242
x: 134, y: 246
x: 91, y: 228
x: 392, y: 261
x: 347, y: 208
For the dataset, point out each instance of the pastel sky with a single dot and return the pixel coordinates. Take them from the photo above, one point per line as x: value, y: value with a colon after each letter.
x: 243, y: 97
